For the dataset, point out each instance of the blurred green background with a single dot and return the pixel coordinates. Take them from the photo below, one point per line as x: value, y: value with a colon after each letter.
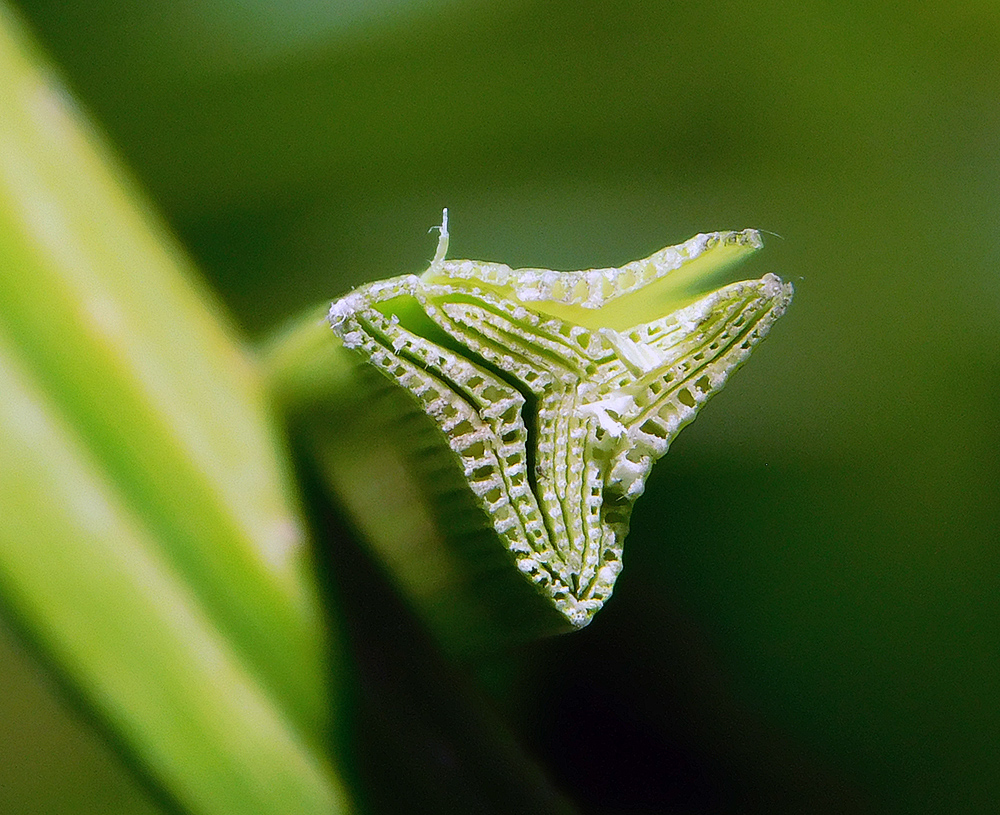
x: 808, y: 617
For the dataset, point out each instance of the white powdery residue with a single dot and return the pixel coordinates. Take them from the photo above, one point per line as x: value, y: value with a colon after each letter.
x: 494, y: 481
x: 607, y: 574
x: 594, y: 278
x: 480, y: 434
x: 640, y: 358
x: 514, y: 542
x: 530, y: 294
x: 672, y: 421
x: 533, y: 285
x: 636, y: 486
x: 630, y: 476
x: 527, y: 565
x: 347, y: 306
x: 602, y: 410
x: 401, y: 340
x: 493, y: 273
x: 513, y: 448
x: 551, y: 327
x: 473, y: 464
x: 393, y: 287
x: 448, y: 423
x: 576, y: 612
x: 689, y: 318
x: 670, y: 259
x: 352, y: 339
x: 696, y: 245
x: 462, y: 269
x: 503, y: 273
x: 518, y: 491
x: 458, y: 369
x: 773, y: 286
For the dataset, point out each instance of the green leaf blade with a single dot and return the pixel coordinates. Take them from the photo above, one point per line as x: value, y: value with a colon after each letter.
x: 96, y: 296
x: 87, y: 578
x: 150, y: 539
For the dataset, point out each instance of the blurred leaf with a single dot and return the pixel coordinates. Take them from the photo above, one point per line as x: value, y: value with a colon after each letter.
x: 55, y: 762
x: 149, y: 537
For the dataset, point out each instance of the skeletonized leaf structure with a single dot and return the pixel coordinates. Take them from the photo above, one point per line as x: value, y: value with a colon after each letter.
x: 556, y: 391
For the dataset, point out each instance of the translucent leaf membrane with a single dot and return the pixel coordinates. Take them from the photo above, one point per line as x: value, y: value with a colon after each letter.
x: 556, y: 391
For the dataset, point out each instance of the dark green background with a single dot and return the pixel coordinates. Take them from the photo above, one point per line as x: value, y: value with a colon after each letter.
x: 808, y: 617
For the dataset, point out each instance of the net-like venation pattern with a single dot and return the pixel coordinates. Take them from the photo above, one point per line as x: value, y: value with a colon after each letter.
x: 593, y: 287
x: 588, y: 409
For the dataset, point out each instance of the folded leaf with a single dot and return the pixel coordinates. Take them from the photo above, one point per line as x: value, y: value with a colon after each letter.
x: 556, y: 391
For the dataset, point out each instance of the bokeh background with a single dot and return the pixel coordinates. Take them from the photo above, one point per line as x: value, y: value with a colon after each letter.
x: 808, y: 619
